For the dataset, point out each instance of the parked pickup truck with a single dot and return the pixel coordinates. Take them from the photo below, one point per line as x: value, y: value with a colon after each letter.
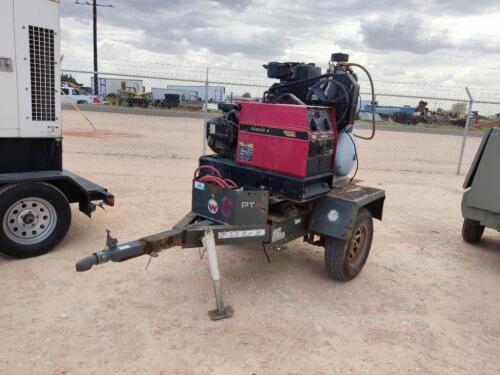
x: 71, y: 94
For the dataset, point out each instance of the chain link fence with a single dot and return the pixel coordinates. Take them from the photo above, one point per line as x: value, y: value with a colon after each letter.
x: 163, y: 117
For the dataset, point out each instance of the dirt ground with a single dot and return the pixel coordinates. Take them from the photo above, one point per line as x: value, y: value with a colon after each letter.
x: 425, y: 303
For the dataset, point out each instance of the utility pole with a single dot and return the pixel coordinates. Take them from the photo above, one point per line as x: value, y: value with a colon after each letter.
x: 94, y: 16
x: 96, y: 68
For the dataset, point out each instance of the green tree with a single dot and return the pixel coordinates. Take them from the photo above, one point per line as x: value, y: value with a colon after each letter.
x: 69, y: 79
x: 246, y: 95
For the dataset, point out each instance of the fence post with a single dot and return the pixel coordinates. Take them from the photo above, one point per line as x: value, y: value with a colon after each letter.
x: 205, y: 115
x: 466, y: 130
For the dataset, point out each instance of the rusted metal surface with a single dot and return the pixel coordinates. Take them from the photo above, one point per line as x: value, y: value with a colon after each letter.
x: 358, y: 244
x: 356, y: 193
x: 162, y: 241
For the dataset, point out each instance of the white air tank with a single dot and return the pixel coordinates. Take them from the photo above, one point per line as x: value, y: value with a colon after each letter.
x: 345, y: 156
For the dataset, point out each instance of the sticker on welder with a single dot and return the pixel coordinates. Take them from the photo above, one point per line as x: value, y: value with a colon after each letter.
x: 199, y: 185
x: 333, y: 216
x: 290, y: 133
x: 246, y: 151
x: 213, y: 206
x: 212, y: 128
x: 241, y: 233
x: 277, y: 235
x: 297, y: 221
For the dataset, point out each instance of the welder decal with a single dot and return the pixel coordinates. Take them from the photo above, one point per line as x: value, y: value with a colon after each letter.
x: 213, y: 206
x: 277, y: 132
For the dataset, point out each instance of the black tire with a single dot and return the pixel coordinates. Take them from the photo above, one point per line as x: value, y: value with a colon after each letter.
x: 344, y: 259
x: 38, y: 211
x: 472, y: 231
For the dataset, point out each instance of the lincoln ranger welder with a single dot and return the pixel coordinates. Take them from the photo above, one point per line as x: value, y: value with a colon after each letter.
x: 279, y: 172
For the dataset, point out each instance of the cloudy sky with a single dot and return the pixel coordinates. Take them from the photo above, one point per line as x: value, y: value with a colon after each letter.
x: 412, y: 45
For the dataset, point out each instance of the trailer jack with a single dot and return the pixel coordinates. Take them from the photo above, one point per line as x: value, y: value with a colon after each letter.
x: 221, y: 311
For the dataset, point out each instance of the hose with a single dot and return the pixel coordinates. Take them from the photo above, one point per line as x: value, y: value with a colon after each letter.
x: 213, y: 169
x: 215, y: 179
x: 373, y: 101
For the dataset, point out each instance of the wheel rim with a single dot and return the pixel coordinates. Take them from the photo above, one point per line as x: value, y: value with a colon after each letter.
x: 30, y: 221
x: 358, y: 245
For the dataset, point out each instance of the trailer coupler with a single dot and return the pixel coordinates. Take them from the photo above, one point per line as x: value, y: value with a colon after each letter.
x: 128, y: 250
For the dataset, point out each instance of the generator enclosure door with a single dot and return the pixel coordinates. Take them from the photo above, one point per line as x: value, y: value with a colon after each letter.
x: 30, y: 77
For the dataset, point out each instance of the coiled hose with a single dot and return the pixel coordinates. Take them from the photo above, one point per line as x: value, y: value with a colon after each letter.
x: 215, y: 179
x: 373, y: 101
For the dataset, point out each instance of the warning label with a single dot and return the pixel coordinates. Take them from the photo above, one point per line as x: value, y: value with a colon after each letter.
x: 246, y: 151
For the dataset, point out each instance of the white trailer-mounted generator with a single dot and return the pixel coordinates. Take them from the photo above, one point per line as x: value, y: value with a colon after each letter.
x: 35, y: 191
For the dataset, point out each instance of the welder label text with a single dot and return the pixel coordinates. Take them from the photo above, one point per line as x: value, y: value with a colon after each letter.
x: 246, y: 151
x: 277, y: 132
x: 241, y: 233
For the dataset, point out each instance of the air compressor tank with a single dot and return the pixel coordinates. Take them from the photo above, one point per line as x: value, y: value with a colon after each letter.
x: 346, y: 154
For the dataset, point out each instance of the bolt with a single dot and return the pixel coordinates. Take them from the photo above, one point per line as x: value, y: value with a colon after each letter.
x: 27, y: 117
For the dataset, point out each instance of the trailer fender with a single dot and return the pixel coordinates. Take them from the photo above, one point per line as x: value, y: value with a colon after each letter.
x: 75, y: 188
x: 334, y: 214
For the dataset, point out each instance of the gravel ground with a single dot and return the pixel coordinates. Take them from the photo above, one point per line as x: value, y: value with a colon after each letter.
x: 426, y: 302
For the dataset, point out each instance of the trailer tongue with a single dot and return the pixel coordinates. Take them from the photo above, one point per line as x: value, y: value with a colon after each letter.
x: 279, y: 173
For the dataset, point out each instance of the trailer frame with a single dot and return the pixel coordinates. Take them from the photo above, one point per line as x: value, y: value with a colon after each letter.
x: 331, y: 216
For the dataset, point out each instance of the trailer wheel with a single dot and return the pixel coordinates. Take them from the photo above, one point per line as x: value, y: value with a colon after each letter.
x: 344, y: 259
x: 472, y: 231
x: 35, y: 217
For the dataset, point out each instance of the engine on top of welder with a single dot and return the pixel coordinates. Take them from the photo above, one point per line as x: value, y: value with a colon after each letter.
x: 301, y: 127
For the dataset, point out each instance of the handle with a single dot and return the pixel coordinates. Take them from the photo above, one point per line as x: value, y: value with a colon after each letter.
x: 86, y: 263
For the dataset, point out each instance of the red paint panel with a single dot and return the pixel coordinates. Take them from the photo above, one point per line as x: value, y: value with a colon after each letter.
x: 287, y: 116
x: 278, y: 154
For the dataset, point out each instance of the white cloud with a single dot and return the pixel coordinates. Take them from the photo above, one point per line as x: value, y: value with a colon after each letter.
x: 433, y: 42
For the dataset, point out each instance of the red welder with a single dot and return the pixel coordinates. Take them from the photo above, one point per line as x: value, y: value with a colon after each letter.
x: 295, y: 140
